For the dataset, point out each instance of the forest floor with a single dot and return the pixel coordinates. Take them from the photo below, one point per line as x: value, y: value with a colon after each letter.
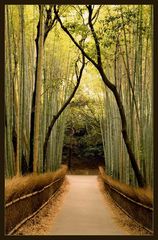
x: 44, y: 222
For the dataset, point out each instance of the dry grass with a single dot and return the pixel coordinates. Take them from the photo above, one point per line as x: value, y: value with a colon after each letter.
x: 22, y: 185
x: 127, y: 224
x: 142, y: 195
x: 42, y: 223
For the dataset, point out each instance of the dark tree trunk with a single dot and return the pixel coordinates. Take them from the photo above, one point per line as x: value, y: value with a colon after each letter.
x: 140, y: 179
x: 24, y: 167
x: 33, y: 108
x: 55, y: 118
x: 49, y: 23
x: 14, y: 141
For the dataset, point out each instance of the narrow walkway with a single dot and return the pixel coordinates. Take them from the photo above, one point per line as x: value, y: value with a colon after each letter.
x: 84, y: 211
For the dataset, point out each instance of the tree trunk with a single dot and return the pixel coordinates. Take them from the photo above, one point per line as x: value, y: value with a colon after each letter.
x: 140, y: 179
x: 48, y: 25
x: 55, y: 117
x: 8, y: 97
x: 38, y: 89
x: 33, y: 105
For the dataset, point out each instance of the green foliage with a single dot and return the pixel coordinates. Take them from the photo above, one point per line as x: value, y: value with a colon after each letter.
x: 93, y: 151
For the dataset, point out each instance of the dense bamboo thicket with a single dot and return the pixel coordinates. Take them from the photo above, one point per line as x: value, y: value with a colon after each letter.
x: 57, y: 81
x: 48, y: 50
x: 130, y: 68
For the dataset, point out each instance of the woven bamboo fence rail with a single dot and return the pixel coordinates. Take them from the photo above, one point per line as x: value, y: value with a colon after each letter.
x: 139, y: 212
x: 18, y: 211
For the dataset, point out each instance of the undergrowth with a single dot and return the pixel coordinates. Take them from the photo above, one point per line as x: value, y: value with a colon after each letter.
x: 142, y: 195
x: 22, y: 185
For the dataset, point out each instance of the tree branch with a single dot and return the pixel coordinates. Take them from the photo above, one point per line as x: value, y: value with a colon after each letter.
x: 55, y: 117
x: 49, y: 23
x: 90, y: 10
x: 72, y: 38
x: 99, y: 67
x: 95, y: 17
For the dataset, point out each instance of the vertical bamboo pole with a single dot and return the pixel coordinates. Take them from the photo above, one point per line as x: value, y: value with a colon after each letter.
x: 38, y: 86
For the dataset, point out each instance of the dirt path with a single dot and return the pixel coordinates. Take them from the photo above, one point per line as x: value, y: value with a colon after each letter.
x: 84, y: 211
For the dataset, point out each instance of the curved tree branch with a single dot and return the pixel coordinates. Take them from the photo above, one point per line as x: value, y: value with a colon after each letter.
x: 72, y: 38
x: 55, y: 117
x: 50, y: 22
x: 90, y: 10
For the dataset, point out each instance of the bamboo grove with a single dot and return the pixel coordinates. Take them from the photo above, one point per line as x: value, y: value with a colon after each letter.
x: 51, y: 54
